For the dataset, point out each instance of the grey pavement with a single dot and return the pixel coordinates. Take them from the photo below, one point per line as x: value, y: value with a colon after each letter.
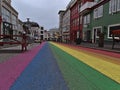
x: 8, y: 51
x: 107, y: 47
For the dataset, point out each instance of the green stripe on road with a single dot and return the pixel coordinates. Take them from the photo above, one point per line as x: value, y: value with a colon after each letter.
x: 80, y: 76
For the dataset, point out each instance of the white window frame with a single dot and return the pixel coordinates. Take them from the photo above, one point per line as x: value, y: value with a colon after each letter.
x: 99, y: 27
x: 110, y: 7
x: 95, y: 33
x: 87, y: 19
x: 109, y: 30
x: 98, y: 12
x: 118, y: 5
x: 114, y: 6
x: 95, y: 13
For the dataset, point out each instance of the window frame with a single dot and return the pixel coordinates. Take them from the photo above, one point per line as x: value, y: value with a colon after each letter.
x: 98, y: 12
x: 108, y: 34
x: 114, y: 6
x: 86, y: 19
x: 118, y: 5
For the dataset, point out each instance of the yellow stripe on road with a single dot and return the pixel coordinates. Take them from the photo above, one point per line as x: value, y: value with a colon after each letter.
x: 101, y: 64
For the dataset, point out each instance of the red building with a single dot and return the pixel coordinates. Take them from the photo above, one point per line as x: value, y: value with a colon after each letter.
x: 75, y: 21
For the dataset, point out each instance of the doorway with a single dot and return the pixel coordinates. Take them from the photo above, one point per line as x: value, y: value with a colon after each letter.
x: 96, y: 32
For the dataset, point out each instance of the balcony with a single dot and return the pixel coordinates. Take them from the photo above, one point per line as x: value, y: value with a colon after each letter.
x: 87, y: 5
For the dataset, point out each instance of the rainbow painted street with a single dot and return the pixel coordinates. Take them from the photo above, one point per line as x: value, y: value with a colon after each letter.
x: 58, y: 66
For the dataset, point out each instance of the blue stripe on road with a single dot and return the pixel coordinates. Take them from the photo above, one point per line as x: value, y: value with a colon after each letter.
x: 41, y: 74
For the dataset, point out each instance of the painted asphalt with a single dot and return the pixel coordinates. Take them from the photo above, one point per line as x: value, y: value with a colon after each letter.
x: 41, y: 74
x: 12, y: 68
x: 55, y: 66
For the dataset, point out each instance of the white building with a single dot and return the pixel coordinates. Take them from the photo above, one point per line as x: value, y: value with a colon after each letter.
x: 64, y: 23
x: 66, y: 26
x: 9, y: 16
x: 46, y: 35
x: 54, y: 34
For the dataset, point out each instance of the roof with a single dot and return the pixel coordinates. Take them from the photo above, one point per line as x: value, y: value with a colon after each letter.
x: 32, y: 24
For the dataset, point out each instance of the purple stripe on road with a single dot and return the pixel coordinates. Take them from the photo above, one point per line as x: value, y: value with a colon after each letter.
x: 12, y: 68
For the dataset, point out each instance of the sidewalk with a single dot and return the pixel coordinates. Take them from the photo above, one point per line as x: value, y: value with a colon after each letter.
x: 107, y: 47
x: 8, y: 51
x: 14, y: 66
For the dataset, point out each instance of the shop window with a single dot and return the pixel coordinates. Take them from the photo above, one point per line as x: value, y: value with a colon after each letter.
x: 111, y: 28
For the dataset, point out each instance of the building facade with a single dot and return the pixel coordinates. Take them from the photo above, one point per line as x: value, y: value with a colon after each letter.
x: 66, y: 25
x: 101, y: 17
x: 54, y: 34
x: 61, y: 14
x: 9, y: 17
x: 85, y: 13
x: 74, y: 20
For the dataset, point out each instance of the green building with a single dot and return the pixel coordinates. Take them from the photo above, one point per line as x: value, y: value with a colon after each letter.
x: 102, y: 17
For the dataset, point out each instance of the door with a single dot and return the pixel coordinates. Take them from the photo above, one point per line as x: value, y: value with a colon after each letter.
x: 96, y: 32
x: 94, y: 38
x: 88, y: 36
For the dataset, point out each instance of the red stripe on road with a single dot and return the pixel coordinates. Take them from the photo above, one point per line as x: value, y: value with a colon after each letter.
x: 12, y: 68
x: 104, y: 52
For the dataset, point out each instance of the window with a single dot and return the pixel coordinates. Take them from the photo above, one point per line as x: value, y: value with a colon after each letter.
x: 14, y: 22
x: 42, y: 28
x: 41, y: 32
x: 114, y: 6
x: 5, y: 14
x: 118, y: 5
x: 95, y: 13
x: 87, y: 19
x: 98, y: 12
x: 111, y: 28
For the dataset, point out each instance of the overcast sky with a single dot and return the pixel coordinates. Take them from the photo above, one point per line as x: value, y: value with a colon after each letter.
x: 44, y: 12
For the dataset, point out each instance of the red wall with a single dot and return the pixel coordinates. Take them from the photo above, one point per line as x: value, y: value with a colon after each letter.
x: 74, y: 23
